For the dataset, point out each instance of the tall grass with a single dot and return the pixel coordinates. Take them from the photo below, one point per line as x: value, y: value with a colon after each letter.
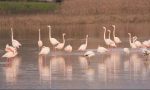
x: 26, y: 7
x: 81, y: 17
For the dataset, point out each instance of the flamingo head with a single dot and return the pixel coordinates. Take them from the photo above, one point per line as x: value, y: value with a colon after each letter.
x: 64, y: 34
x: 129, y: 33
x: 49, y: 26
x: 108, y: 30
x: 87, y: 36
x: 104, y: 28
x: 11, y: 28
x: 113, y: 26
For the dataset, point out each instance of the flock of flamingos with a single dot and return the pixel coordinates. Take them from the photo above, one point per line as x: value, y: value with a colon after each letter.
x: 11, y: 51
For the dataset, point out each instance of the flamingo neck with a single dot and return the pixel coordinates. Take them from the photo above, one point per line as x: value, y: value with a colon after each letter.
x: 12, y: 35
x: 134, y: 39
x: 109, y: 35
x: 63, y: 39
x: 105, y: 34
x: 50, y: 33
x: 39, y: 35
x: 114, y: 31
x: 130, y: 39
x: 86, y: 40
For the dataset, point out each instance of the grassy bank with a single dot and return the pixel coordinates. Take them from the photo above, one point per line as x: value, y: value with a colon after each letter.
x: 26, y: 7
x: 77, y: 17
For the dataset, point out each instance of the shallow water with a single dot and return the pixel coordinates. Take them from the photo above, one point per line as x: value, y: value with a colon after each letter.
x: 61, y: 70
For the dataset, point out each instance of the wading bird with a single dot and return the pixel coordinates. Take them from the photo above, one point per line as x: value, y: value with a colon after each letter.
x: 132, y: 45
x: 44, y: 51
x: 101, y: 49
x: 15, y: 43
x: 137, y: 43
x: 89, y: 54
x: 53, y: 41
x: 112, y: 43
x: 10, y: 54
x: 84, y: 46
x: 40, y: 43
x: 116, y: 39
x: 68, y: 48
x: 61, y: 45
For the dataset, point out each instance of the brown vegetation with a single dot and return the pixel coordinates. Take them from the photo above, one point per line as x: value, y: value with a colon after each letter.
x: 80, y: 17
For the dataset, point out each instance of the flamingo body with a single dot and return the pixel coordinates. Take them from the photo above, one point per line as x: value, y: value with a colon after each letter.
x: 44, y: 50
x: 89, y: 54
x: 68, y: 48
x: 102, y: 49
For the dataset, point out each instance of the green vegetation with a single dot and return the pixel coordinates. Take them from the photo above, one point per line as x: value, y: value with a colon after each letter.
x: 27, y: 7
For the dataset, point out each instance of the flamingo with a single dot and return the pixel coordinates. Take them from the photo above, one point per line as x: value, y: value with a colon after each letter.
x: 106, y: 40
x: 83, y: 46
x: 61, y: 45
x: 116, y: 39
x: 132, y: 45
x: 101, y: 49
x: 89, y: 54
x: 146, y: 44
x: 40, y: 43
x: 112, y: 43
x: 68, y: 48
x: 137, y: 43
x: 10, y: 54
x: 126, y: 50
x: 44, y: 51
x: 9, y: 48
x: 15, y: 43
x: 53, y: 41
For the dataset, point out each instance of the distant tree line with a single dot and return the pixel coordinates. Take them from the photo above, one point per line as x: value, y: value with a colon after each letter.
x: 58, y: 1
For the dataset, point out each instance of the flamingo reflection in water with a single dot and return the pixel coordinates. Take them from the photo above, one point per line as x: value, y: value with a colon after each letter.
x: 102, y: 72
x: 44, y: 69
x: 89, y: 72
x: 57, y: 65
x: 12, y: 68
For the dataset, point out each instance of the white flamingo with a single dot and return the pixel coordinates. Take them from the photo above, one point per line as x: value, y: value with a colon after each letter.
x: 101, y: 49
x: 146, y: 44
x: 44, y: 51
x: 136, y: 42
x: 10, y: 48
x: 112, y: 43
x: 40, y: 43
x: 53, y: 41
x: 89, y: 54
x: 106, y: 40
x: 84, y: 46
x: 10, y: 54
x: 15, y: 43
x: 116, y: 39
x: 132, y: 45
x: 61, y: 45
x: 68, y: 48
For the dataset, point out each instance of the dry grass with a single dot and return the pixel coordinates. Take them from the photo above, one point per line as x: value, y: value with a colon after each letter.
x: 80, y: 17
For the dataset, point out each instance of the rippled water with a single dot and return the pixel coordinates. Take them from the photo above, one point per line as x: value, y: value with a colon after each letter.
x: 61, y: 70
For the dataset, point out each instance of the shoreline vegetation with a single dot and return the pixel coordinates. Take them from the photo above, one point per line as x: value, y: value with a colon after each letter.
x: 73, y: 14
x: 13, y: 7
